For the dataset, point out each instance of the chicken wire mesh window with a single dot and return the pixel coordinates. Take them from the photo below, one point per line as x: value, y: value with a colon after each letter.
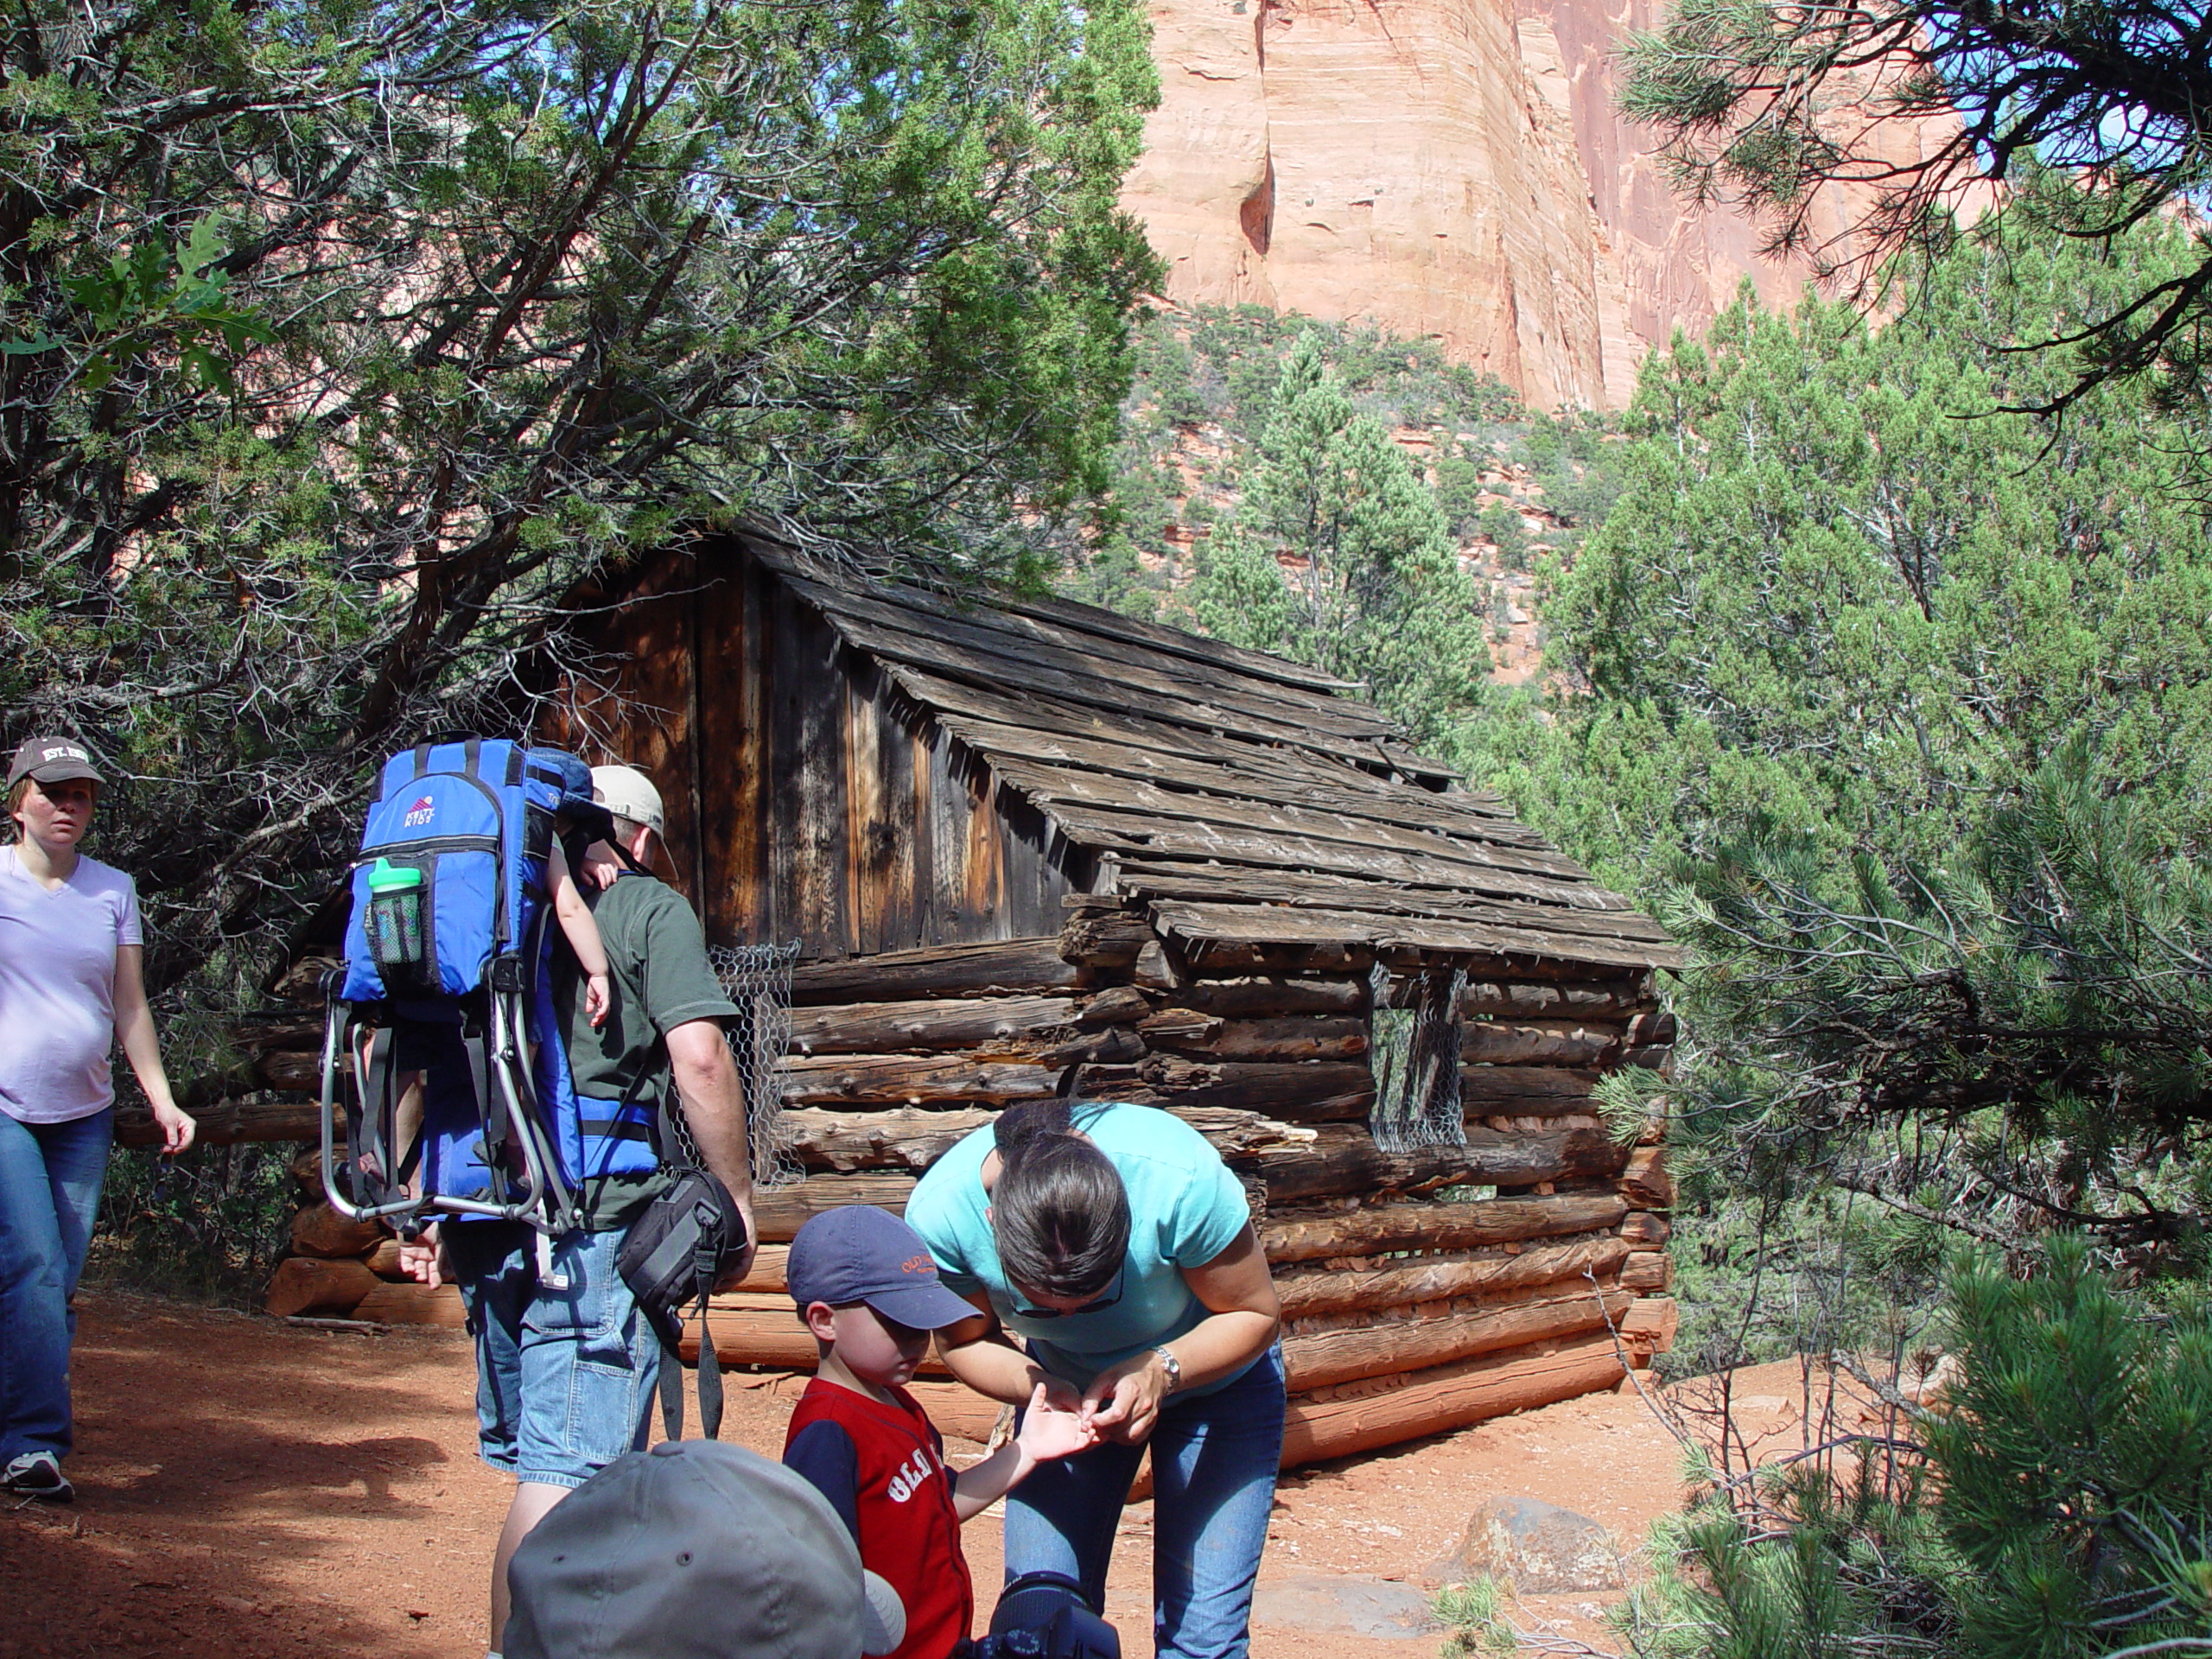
x: 1414, y: 1054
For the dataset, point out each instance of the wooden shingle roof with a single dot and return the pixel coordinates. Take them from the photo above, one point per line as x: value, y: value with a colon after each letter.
x: 1248, y: 799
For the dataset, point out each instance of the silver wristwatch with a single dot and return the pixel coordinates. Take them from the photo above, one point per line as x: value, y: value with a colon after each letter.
x: 1174, y: 1369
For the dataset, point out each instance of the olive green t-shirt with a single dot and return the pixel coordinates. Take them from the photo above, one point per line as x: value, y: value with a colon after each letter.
x: 661, y: 980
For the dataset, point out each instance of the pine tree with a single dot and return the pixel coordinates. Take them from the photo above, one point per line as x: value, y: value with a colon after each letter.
x: 1373, y: 590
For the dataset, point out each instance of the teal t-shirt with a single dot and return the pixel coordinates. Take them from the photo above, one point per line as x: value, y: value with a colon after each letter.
x: 1184, y: 1208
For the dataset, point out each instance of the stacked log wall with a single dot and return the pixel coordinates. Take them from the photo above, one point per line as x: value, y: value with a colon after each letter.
x: 1408, y: 1300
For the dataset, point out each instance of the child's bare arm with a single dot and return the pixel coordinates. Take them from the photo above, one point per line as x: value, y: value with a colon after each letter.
x: 582, y: 931
x: 1047, y: 1433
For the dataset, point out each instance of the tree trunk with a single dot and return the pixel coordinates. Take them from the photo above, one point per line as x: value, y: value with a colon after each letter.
x: 1001, y: 968
x: 1346, y: 1159
x: 1554, y: 1042
x: 1315, y: 1359
x: 230, y: 1122
x: 781, y: 1211
x: 958, y: 1022
x: 408, y: 1303
x: 302, y: 1283
x: 911, y: 1080
x: 1305, y: 1293
x: 1387, y: 1227
x: 318, y: 1230
x: 1338, y: 1428
x: 1649, y: 1271
x: 1311, y: 1036
x: 1316, y: 1092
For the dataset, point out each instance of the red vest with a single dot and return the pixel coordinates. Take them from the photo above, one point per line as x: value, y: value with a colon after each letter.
x: 910, y: 1534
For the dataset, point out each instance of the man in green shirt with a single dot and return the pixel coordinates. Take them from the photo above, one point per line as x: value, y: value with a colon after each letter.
x: 566, y: 1363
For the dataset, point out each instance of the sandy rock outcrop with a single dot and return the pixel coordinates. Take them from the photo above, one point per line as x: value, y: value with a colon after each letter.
x: 1445, y: 168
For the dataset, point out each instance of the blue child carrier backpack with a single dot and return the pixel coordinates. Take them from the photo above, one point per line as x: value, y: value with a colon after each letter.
x: 448, y: 974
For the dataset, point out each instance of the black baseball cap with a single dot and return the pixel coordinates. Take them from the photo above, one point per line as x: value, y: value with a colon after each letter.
x: 862, y: 1253
x: 53, y: 759
x: 697, y: 1550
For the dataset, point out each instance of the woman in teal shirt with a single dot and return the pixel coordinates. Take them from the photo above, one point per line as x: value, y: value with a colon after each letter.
x: 1114, y: 1243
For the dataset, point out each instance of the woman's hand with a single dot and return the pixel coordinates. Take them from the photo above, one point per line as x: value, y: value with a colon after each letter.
x: 1122, y: 1403
x: 178, y: 1126
x: 1054, y: 1429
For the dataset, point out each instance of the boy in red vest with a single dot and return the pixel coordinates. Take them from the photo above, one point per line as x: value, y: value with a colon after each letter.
x: 866, y: 1288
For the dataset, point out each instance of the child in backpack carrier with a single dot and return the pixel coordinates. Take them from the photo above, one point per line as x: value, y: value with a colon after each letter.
x: 580, y: 929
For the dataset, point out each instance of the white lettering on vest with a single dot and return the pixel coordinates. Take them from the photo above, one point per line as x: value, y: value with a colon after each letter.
x: 912, y: 1475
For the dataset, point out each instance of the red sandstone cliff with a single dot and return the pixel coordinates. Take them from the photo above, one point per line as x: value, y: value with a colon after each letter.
x: 1447, y: 168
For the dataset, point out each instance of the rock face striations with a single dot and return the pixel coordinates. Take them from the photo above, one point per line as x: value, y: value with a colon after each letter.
x: 1447, y: 167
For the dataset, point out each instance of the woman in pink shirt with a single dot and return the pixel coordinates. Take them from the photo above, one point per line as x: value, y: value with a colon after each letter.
x: 71, y: 983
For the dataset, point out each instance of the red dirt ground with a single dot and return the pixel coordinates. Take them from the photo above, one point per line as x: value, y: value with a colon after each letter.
x: 251, y: 1490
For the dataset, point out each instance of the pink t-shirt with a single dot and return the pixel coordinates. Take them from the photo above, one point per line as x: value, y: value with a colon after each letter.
x: 57, y: 987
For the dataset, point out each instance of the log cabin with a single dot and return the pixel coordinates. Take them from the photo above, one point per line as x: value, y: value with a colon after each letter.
x: 1028, y: 847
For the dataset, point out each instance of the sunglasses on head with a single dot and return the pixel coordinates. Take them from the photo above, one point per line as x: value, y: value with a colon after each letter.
x: 1105, y: 1297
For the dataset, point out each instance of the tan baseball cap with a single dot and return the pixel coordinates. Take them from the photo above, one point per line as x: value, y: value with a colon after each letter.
x: 628, y: 793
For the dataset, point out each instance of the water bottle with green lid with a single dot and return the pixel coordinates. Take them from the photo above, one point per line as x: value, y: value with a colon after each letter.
x: 396, y: 918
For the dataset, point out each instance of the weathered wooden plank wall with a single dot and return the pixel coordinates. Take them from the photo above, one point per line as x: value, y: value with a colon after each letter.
x: 807, y: 796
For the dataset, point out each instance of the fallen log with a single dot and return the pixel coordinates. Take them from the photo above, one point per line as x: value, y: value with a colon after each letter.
x: 1110, y: 939
x: 299, y: 1070
x: 1542, y: 1000
x: 998, y: 967
x: 1345, y: 1159
x: 1313, y: 1092
x: 1525, y: 1089
x: 1648, y: 1271
x: 226, y: 1123
x: 910, y: 1079
x: 973, y: 1022
x: 1385, y: 1227
x: 769, y: 1337
x: 1117, y: 1005
x: 779, y: 1212
x: 304, y: 1282
x: 277, y: 1028
x: 318, y: 1230
x: 1305, y: 1293
x: 1645, y: 1231
x: 1272, y: 994
x: 384, y: 1261
x: 1318, y: 1359
x: 1313, y: 1036
x: 915, y: 1140
x: 1645, y: 1182
x: 1651, y: 1322
x: 408, y: 1303
x: 1507, y: 1383
x: 1551, y: 1042
x: 1219, y: 959
x: 767, y: 1273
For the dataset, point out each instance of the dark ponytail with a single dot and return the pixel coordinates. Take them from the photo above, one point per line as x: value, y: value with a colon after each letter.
x: 1059, y: 1210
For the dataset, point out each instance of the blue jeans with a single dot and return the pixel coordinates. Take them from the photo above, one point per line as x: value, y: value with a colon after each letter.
x: 564, y: 1378
x: 50, y: 1176
x: 1214, y: 1458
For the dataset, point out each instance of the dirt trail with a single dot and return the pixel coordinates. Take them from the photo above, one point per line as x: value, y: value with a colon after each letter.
x: 251, y: 1490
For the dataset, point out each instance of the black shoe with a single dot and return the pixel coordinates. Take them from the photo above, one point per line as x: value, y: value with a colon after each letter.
x: 37, y: 1474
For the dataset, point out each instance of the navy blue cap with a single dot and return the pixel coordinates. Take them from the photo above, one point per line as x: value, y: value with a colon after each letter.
x: 862, y: 1253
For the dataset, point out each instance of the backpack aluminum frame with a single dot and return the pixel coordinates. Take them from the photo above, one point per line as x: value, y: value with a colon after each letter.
x: 511, y: 1118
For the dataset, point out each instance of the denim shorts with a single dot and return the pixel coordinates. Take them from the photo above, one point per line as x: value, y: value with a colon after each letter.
x: 564, y: 1377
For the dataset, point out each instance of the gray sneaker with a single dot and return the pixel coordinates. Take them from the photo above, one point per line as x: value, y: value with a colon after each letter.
x: 37, y: 1474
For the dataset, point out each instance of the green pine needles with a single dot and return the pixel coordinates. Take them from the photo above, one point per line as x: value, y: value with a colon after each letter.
x: 2060, y: 1508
